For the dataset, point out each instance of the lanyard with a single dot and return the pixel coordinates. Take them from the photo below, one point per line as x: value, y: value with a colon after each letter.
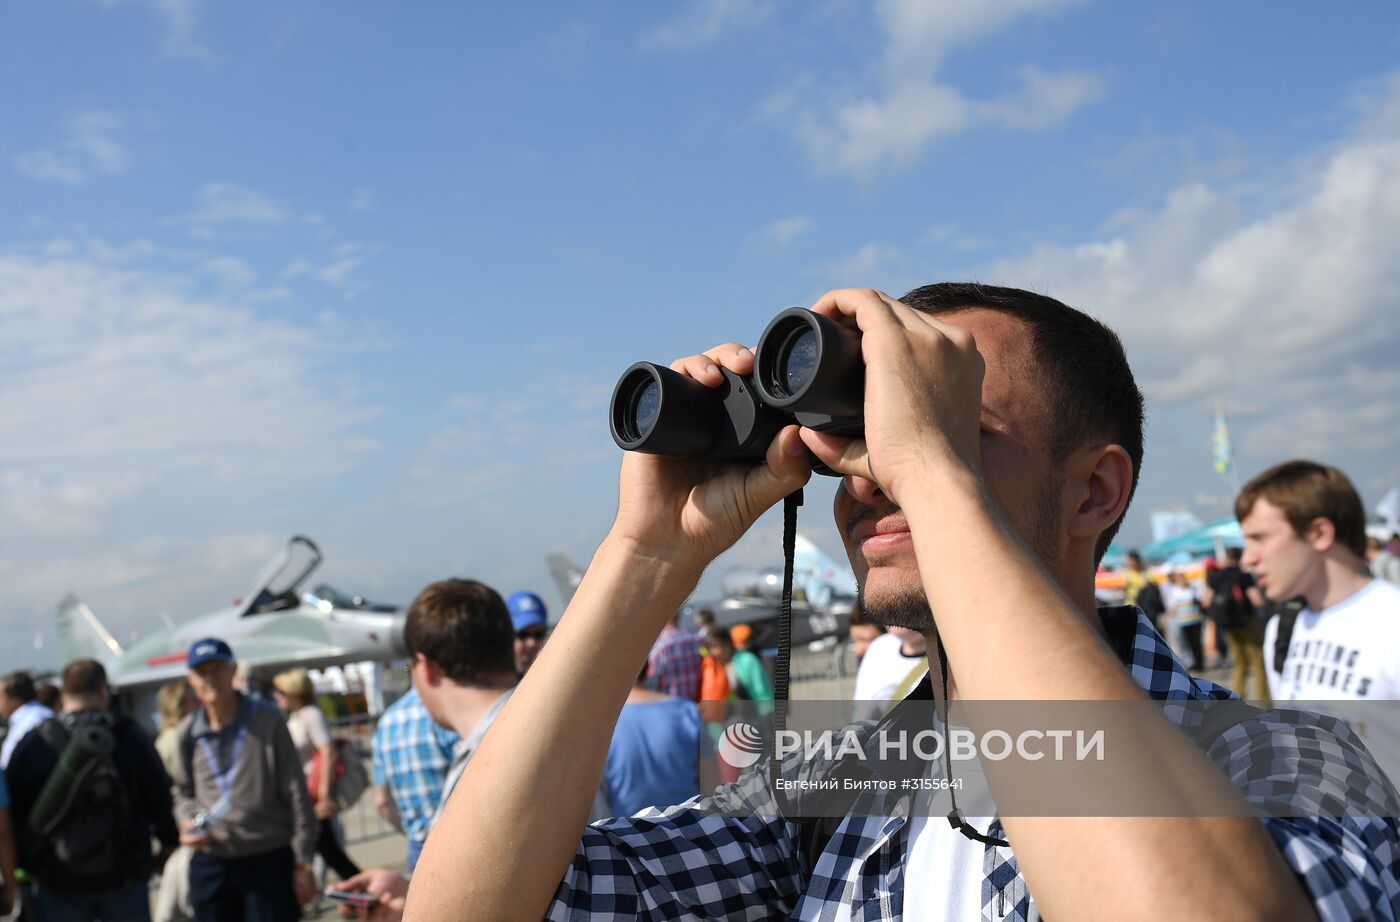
x: 224, y: 778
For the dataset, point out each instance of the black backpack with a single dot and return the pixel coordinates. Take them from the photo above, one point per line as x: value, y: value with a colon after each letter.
x: 1149, y: 599
x: 1231, y: 607
x: 82, y: 814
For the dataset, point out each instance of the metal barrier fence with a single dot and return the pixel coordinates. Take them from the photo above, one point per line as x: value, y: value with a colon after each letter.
x: 823, y: 674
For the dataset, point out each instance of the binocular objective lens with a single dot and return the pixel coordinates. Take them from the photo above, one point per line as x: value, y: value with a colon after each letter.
x: 797, y: 363
x: 645, y: 408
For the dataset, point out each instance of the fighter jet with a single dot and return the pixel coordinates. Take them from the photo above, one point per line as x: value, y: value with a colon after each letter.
x: 823, y: 594
x: 275, y: 626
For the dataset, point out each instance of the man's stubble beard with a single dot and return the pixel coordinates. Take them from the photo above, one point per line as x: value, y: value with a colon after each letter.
x: 909, y: 608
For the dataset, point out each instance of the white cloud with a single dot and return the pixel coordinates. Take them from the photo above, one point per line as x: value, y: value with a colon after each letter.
x: 1046, y: 100
x: 182, y: 24
x: 1288, y: 316
x: 871, y: 262
x: 338, y: 272
x: 225, y: 202
x: 296, y: 268
x: 362, y: 200
x: 703, y: 21
x: 784, y: 231
x: 89, y: 148
x: 124, y: 395
x: 910, y: 107
x: 230, y: 271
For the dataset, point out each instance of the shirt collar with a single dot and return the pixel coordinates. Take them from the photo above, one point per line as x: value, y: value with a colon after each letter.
x: 200, y: 726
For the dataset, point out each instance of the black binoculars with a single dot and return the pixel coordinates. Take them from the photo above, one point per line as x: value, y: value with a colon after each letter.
x: 807, y: 370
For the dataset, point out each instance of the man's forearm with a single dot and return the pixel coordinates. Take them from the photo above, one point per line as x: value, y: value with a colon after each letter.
x: 507, y: 836
x: 1012, y: 634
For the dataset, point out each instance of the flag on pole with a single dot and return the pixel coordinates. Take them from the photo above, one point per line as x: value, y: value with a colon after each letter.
x: 1224, y: 452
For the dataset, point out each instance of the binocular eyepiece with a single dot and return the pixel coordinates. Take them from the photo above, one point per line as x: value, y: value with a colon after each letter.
x: 807, y: 370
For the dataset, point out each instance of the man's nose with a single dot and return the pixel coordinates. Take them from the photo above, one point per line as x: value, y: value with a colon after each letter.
x: 864, y: 490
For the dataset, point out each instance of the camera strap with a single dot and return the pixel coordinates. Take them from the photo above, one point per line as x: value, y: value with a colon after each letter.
x: 783, y: 666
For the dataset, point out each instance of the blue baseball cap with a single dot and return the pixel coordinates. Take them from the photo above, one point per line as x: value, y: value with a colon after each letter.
x: 208, y: 650
x: 526, y: 610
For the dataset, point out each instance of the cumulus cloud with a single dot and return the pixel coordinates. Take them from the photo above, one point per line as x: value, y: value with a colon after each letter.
x: 182, y: 28
x: 703, y: 21
x: 362, y: 200
x: 1288, y: 316
x: 226, y: 202
x: 90, y: 146
x: 872, y: 261
x: 910, y: 107
x: 780, y: 233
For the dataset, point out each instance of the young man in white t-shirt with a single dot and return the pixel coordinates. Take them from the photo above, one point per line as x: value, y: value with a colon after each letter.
x: 1304, y: 529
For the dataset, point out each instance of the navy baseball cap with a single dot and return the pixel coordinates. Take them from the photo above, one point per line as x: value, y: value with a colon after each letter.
x: 207, y: 650
x: 526, y: 610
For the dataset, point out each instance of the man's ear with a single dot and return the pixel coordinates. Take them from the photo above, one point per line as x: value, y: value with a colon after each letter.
x: 1103, y: 478
x: 428, y: 670
x: 1321, y: 534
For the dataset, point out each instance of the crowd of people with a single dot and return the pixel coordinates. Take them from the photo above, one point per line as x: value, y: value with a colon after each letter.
x: 234, y: 797
x: 576, y: 773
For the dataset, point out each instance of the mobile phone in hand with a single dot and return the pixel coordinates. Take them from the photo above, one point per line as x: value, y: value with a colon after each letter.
x: 352, y: 898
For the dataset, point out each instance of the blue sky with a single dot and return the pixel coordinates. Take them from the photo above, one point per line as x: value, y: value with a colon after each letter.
x: 369, y: 271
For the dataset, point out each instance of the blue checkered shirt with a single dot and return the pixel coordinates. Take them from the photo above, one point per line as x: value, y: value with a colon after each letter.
x: 715, y: 859
x: 411, y: 755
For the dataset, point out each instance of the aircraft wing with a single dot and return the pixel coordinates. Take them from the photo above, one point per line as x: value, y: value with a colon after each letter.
x: 271, y: 652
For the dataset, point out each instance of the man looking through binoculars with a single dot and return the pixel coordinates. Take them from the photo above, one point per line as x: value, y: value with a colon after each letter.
x: 1002, y: 439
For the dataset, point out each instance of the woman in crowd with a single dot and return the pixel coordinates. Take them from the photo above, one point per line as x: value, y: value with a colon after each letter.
x: 312, y: 735
x: 173, y: 702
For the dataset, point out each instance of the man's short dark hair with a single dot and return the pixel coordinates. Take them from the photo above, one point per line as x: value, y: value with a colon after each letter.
x: 49, y: 696
x: 18, y: 685
x: 1306, y: 491
x: 1234, y: 554
x: 719, y: 635
x: 1091, y: 391
x: 84, y: 678
x: 464, y: 627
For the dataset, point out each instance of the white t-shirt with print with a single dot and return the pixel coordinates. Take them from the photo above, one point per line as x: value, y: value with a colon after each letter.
x: 1348, y: 652
x: 884, y: 668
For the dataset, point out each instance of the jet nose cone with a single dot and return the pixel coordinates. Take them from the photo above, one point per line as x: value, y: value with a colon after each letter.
x: 396, y: 634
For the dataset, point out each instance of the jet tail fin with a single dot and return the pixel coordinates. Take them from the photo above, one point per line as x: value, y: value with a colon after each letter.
x: 567, y: 575
x: 82, y: 636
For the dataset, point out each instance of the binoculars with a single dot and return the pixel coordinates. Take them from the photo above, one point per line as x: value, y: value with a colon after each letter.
x: 807, y: 370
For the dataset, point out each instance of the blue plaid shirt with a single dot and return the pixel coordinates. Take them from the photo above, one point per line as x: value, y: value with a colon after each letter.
x: 411, y: 755
x: 715, y: 859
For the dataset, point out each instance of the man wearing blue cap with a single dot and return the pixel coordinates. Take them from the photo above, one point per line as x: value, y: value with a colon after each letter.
x: 241, y: 800
x: 530, y: 620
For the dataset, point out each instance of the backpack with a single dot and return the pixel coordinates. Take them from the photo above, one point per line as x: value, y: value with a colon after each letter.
x: 1149, y: 599
x: 351, y: 779
x: 82, y: 814
x: 1287, y: 617
x: 1231, y: 607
